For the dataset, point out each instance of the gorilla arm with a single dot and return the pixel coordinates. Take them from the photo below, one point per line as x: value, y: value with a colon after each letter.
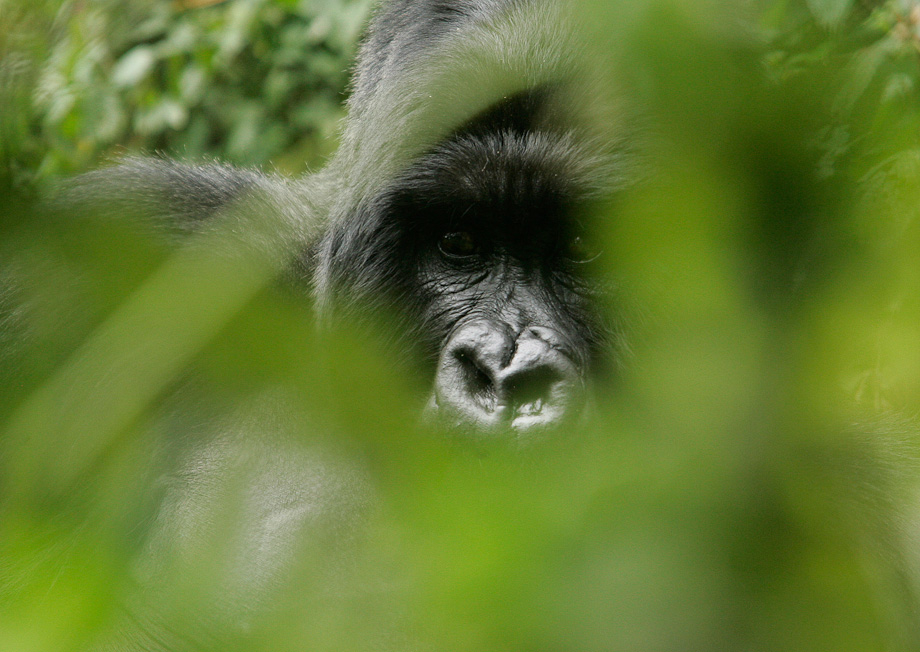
x: 184, y: 198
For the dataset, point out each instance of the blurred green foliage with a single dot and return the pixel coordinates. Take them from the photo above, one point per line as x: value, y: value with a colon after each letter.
x: 750, y: 482
x: 248, y: 81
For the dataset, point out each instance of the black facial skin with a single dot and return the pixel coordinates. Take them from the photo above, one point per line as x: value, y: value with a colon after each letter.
x: 479, y: 247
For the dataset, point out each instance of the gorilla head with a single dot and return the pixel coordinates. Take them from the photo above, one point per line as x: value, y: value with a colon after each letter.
x: 478, y: 246
x: 477, y: 243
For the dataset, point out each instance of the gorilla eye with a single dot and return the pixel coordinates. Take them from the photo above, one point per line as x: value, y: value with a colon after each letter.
x: 458, y: 244
x: 579, y: 250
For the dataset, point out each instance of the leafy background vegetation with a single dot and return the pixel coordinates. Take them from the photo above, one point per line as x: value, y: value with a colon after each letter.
x: 249, y: 81
x: 750, y: 479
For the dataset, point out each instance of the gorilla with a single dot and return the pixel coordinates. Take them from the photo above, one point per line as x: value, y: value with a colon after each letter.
x: 458, y: 206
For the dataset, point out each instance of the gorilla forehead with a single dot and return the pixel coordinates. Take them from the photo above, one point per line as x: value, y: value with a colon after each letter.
x: 502, y: 167
x: 508, y: 175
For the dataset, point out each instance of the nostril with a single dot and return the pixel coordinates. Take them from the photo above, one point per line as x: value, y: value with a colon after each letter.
x: 476, y: 377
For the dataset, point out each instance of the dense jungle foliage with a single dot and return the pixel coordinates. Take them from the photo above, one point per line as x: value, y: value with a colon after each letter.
x: 751, y: 479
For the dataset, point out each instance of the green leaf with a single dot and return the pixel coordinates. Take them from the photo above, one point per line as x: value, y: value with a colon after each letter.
x: 192, y: 84
x: 166, y: 114
x: 829, y: 12
x: 133, y: 67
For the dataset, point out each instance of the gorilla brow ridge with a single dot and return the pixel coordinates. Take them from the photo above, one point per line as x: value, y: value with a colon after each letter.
x: 507, y: 168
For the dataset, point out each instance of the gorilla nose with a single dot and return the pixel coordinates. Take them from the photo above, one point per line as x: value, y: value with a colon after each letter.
x: 488, y: 378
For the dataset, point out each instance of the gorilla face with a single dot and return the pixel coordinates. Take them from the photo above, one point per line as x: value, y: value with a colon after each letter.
x: 480, y: 247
